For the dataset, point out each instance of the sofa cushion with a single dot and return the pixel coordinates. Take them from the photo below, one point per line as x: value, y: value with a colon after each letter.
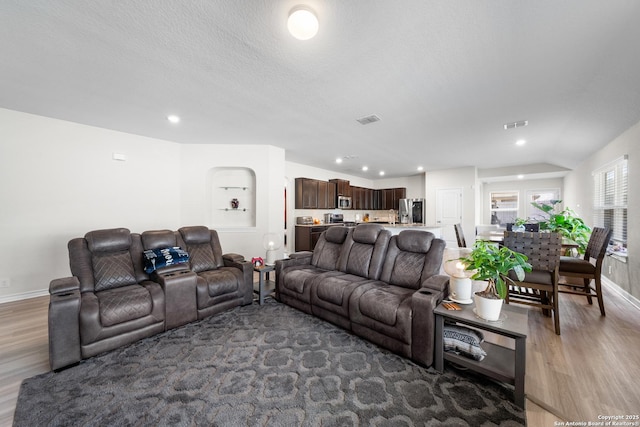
x: 124, y: 304
x: 382, y: 303
x: 202, y: 257
x: 336, y: 234
x: 195, y: 234
x: 414, y: 241
x: 112, y: 270
x: 111, y: 240
x: 158, y: 239
x: 220, y: 282
x: 367, y: 234
x: 407, y: 270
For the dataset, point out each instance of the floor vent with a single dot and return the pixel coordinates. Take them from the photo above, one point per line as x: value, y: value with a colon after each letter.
x: 369, y: 119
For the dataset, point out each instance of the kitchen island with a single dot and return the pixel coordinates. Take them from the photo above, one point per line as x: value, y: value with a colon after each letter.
x: 397, y: 227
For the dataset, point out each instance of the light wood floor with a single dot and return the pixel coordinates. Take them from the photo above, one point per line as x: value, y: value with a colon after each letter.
x: 592, y: 369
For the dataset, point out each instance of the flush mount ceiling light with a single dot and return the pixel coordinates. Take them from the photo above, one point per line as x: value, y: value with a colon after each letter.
x: 520, y: 176
x: 173, y: 118
x: 381, y: 173
x: 339, y: 160
x: 302, y: 23
x: 365, y: 168
x: 521, y: 142
x: 420, y: 168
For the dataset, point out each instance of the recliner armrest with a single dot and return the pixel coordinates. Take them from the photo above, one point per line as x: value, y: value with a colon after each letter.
x: 233, y: 257
x: 64, y: 322
x: 438, y: 283
x: 64, y: 285
x: 301, y: 254
x: 423, y: 302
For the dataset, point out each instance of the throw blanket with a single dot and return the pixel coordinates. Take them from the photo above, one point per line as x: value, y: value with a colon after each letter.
x: 158, y: 258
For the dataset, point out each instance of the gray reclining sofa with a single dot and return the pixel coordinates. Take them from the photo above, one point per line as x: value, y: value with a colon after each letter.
x: 381, y: 287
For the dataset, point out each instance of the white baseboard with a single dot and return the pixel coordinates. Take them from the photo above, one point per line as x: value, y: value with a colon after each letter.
x: 624, y: 294
x: 24, y: 295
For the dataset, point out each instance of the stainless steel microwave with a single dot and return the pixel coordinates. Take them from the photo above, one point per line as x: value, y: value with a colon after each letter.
x: 344, y: 202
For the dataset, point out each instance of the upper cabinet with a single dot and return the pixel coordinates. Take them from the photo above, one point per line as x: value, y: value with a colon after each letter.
x: 314, y: 194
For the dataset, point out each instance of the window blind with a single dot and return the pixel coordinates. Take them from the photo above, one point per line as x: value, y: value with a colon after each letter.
x: 610, y: 198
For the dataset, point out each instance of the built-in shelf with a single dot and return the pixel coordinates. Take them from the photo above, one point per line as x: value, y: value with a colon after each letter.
x: 232, y: 209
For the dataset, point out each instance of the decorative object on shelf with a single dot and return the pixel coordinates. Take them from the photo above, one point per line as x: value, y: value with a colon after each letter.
x: 460, y: 277
x: 271, y: 243
x: 257, y: 261
x: 493, y: 263
x: 235, y: 204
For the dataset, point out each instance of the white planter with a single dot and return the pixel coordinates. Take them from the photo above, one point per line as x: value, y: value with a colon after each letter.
x: 487, y: 308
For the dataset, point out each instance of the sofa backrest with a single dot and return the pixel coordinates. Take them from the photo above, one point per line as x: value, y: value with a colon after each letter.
x: 203, y: 246
x: 328, y: 248
x: 107, y: 259
x: 364, y: 250
x: 159, y: 239
x: 413, y: 256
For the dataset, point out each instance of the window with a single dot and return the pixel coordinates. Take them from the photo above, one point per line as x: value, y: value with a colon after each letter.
x: 610, y: 201
x: 504, y: 207
x: 546, y: 196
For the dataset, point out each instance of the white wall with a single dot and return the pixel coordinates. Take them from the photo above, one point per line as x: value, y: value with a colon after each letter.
x: 268, y: 164
x: 578, y: 186
x: 58, y: 181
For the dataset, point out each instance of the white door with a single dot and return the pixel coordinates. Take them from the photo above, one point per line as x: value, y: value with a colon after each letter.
x: 449, y: 212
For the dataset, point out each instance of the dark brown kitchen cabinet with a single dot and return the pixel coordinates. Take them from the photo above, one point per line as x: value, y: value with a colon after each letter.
x: 314, y: 194
x: 306, y: 193
x: 376, y: 203
x: 306, y: 237
x: 326, y: 195
x: 391, y: 197
x: 342, y: 187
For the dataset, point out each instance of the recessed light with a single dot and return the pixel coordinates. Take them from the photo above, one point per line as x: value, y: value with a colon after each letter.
x: 381, y: 173
x: 521, y: 142
x: 420, y: 168
x: 302, y: 23
x: 520, y: 176
x: 173, y: 119
x: 339, y: 160
x: 365, y: 168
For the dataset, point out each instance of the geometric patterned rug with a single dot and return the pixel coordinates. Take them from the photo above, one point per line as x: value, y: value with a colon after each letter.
x: 269, y: 365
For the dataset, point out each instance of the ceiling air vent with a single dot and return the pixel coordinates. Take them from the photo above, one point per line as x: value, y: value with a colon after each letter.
x: 369, y: 119
x: 514, y: 125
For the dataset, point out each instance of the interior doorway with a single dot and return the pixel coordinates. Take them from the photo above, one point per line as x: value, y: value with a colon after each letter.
x: 449, y: 212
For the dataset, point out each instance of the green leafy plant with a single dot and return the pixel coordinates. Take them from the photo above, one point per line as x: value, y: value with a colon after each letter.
x: 493, y: 264
x: 566, y: 222
x: 520, y: 221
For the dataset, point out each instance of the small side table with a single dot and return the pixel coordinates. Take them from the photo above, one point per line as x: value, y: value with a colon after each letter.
x: 265, y: 286
x: 500, y: 363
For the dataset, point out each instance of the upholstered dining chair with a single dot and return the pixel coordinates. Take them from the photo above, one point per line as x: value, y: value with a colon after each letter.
x: 460, y: 236
x: 588, y: 268
x: 540, y: 286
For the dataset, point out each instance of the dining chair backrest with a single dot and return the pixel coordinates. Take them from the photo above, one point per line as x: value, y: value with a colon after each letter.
x: 542, y: 249
x: 598, y: 243
x: 460, y: 236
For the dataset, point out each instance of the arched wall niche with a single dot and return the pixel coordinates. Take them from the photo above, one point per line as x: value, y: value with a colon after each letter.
x: 233, y: 197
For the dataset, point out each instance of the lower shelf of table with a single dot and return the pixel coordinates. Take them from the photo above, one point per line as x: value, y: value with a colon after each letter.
x: 497, y: 364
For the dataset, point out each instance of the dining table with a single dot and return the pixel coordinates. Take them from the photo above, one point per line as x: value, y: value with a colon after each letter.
x: 497, y: 236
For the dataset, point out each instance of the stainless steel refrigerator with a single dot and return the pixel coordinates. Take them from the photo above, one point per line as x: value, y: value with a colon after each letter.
x: 411, y: 211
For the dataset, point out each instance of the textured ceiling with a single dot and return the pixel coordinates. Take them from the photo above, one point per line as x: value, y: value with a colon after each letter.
x: 443, y: 76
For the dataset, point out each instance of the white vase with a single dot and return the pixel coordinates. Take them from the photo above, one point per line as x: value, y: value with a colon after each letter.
x: 488, y: 308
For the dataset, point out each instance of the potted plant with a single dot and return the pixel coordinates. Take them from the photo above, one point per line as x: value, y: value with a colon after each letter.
x: 567, y: 223
x: 518, y: 224
x: 493, y: 264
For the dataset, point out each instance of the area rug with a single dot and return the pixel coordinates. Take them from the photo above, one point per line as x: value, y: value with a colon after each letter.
x: 268, y: 365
